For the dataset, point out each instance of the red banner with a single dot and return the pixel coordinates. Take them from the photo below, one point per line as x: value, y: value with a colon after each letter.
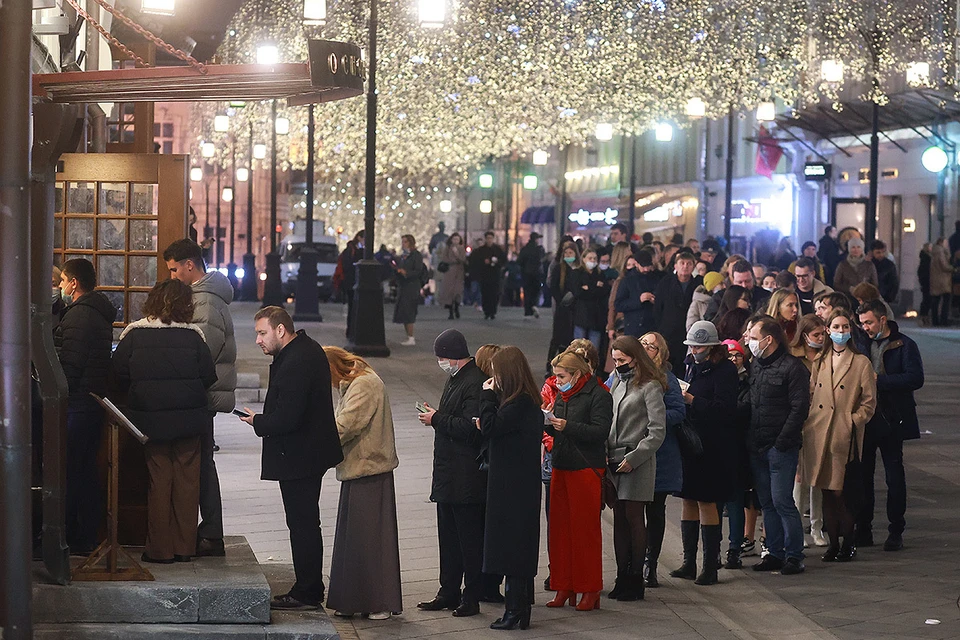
x: 768, y: 153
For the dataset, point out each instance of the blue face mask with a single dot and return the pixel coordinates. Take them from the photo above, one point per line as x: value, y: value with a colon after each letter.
x: 569, y: 259
x: 565, y: 387
x: 839, y: 339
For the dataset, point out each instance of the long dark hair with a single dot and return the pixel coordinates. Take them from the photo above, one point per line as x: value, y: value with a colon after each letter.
x: 513, y: 376
x: 731, y: 296
x: 837, y: 313
x: 644, y: 369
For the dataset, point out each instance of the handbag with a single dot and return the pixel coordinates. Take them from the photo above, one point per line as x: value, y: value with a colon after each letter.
x: 608, y: 490
x: 443, y: 267
x: 689, y: 440
x: 567, y: 299
x: 854, y: 487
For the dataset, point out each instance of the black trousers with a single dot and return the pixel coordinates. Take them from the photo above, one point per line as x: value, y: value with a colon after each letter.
x: 490, y: 297
x: 460, y: 529
x: 531, y: 294
x: 301, y: 504
x: 941, y: 309
x: 211, y: 506
x: 84, y: 497
x: 890, y: 447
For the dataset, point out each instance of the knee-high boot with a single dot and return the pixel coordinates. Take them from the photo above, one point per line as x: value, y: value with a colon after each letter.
x: 689, y: 535
x: 712, y: 536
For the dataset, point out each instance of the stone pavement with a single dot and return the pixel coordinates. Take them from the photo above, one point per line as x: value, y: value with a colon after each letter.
x: 880, y: 595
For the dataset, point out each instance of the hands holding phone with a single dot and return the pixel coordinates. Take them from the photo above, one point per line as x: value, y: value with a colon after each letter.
x: 246, y: 415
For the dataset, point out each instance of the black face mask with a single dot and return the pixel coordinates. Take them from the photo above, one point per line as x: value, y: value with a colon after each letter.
x: 625, y: 371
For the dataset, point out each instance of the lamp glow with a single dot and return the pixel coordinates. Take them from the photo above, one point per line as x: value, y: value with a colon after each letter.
x: 221, y: 123
x: 196, y: 174
x: 243, y: 174
x: 208, y: 150
x: 766, y: 111
x: 283, y: 126
x: 259, y: 151
x: 227, y: 194
x: 159, y: 7
x: 934, y: 159
x: 432, y: 13
x: 240, y: 273
x: 486, y: 180
x: 315, y: 12
x: 918, y: 73
x: 530, y: 182
x: 604, y: 132
x: 664, y: 132
x: 540, y: 157
x: 268, y: 54
x: 831, y: 71
x: 446, y: 206
x: 486, y: 206
x: 696, y: 108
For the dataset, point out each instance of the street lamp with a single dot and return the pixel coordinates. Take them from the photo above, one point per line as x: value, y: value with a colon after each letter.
x: 208, y: 150
x: 248, y: 286
x: 315, y: 12
x: 485, y: 181
x: 282, y: 126
x: 663, y: 133
x: 918, y: 74
x: 831, y: 71
x: 196, y: 174
x: 766, y: 111
x: 604, y: 132
x: 486, y: 206
x: 268, y: 53
x: 540, y: 157
x: 307, y: 297
x: 432, y: 13
x: 227, y: 194
x: 260, y: 151
x: 159, y: 7
x: 221, y: 123
x: 696, y: 108
x: 273, y: 288
x: 934, y: 159
x: 530, y: 182
x: 243, y: 174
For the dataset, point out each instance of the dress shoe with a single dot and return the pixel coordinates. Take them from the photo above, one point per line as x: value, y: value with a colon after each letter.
x: 894, y: 542
x: 632, y: 589
x: 619, y: 585
x: 466, y: 609
x: 831, y: 554
x: 438, y: 604
x: 146, y: 558
x: 287, y: 602
x: 847, y: 552
x: 589, y: 601
x: 650, y: 575
x: 513, y: 620
x: 493, y: 598
x: 770, y: 563
x: 562, y: 597
x: 210, y: 547
x: 792, y: 567
x: 177, y: 558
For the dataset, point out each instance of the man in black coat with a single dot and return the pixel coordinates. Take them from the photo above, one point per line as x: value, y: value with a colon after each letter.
x: 741, y: 274
x: 530, y: 262
x: 672, y: 299
x: 779, y: 403
x: 83, y: 340
x: 899, y: 367
x: 829, y: 252
x: 348, y: 260
x: 887, y: 278
x: 300, y: 443
x: 486, y: 267
x: 459, y: 485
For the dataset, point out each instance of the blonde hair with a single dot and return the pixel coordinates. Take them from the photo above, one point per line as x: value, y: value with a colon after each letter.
x: 573, y: 362
x: 663, y: 350
x: 485, y: 356
x: 618, y: 257
x: 778, y: 298
x: 587, y: 350
x: 345, y: 366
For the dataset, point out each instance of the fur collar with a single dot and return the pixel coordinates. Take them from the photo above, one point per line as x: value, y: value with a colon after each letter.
x: 154, y: 323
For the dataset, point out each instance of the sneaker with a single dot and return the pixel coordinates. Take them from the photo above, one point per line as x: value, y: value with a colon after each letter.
x: 749, y: 548
x: 733, y: 561
x: 380, y: 615
x: 819, y: 539
x: 792, y: 567
x: 764, y: 552
x: 409, y: 342
x: 770, y: 563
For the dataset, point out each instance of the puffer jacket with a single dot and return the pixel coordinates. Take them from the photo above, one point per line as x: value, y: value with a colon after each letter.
x: 699, y: 306
x: 583, y: 442
x: 83, y: 340
x: 779, y: 402
x: 211, y: 296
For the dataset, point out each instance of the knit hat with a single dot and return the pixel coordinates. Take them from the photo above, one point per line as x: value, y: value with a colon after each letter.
x: 712, y: 280
x: 703, y: 333
x: 451, y: 345
x: 733, y: 345
x: 856, y: 242
x: 807, y: 245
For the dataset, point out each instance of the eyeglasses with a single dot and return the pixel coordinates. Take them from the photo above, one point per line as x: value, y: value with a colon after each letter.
x: 649, y: 346
x: 803, y: 276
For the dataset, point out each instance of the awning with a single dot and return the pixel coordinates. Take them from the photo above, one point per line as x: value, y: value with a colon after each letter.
x: 539, y: 215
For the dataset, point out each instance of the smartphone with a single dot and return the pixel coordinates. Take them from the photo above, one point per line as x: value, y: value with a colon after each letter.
x: 422, y: 407
x: 240, y: 413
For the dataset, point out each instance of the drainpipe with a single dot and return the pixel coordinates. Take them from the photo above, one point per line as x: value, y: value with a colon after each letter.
x: 15, y: 459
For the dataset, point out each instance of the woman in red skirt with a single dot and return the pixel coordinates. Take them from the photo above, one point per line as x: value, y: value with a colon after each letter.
x: 583, y: 412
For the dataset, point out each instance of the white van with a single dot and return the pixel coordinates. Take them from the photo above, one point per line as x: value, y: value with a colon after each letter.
x: 327, y: 254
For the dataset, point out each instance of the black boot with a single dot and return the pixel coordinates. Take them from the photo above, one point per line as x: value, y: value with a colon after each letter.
x: 689, y: 534
x: 733, y: 560
x: 712, y: 536
x: 618, y: 586
x: 456, y: 310
x: 650, y: 574
x: 634, y: 588
x: 449, y: 308
x: 518, y: 597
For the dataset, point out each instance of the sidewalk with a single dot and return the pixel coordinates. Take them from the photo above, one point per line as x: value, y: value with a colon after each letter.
x: 880, y: 595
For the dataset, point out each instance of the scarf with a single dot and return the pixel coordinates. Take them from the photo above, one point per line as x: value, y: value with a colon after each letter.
x: 581, y: 383
x: 855, y: 262
x: 790, y: 328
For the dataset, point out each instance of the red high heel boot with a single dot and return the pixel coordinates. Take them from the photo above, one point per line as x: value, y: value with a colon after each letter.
x: 589, y: 601
x: 561, y: 599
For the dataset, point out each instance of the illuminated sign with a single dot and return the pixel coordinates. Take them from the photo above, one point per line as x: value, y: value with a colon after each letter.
x: 909, y: 225
x: 583, y: 217
x: 817, y: 171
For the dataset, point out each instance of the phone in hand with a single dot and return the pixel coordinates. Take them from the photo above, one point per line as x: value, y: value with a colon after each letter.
x: 240, y: 413
x: 422, y: 407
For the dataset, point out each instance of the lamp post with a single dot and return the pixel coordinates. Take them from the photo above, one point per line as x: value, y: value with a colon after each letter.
x: 272, y: 287
x: 307, y: 307
x: 217, y: 251
x: 232, y: 265
x: 248, y: 288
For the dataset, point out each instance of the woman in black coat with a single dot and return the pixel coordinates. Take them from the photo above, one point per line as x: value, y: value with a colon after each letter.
x: 591, y: 293
x: 711, y: 399
x: 166, y: 368
x: 512, y: 425
x: 561, y: 289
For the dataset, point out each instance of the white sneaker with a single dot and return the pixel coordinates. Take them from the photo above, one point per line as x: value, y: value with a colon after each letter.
x: 819, y: 539
x: 382, y: 615
x: 409, y: 342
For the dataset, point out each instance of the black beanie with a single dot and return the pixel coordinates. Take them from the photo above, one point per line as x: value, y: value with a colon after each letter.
x: 452, y: 345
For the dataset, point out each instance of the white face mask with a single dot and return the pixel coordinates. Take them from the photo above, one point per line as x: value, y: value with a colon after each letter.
x: 450, y: 367
x: 755, y: 348
x: 590, y: 265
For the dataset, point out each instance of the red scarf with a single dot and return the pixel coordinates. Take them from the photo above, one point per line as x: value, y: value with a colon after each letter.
x: 566, y: 395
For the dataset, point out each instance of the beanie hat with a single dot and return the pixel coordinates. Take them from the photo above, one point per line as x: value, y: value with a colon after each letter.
x: 855, y: 242
x: 733, y: 345
x: 712, y: 280
x: 451, y: 345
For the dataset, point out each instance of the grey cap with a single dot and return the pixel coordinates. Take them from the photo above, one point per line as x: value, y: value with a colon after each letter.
x: 856, y: 242
x: 703, y: 333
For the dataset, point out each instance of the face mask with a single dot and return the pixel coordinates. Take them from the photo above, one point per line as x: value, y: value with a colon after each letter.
x: 699, y: 358
x: 449, y: 367
x: 570, y: 259
x: 839, y: 339
x: 814, y: 345
x: 755, y: 348
x: 625, y: 371
x: 66, y: 297
x: 57, y: 294
x: 563, y: 388
x: 590, y: 265
x: 604, y: 267
x: 406, y: 252
x: 770, y: 289
x: 880, y: 333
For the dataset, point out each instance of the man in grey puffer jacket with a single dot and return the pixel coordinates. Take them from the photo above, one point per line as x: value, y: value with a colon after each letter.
x: 212, y: 293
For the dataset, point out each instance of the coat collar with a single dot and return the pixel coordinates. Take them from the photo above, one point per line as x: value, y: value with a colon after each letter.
x: 154, y: 323
x: 843, y: 367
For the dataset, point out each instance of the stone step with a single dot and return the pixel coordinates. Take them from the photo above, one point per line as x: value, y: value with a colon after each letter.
x: 248, y: 380
x: 229, y: 590
x: 250, y: 396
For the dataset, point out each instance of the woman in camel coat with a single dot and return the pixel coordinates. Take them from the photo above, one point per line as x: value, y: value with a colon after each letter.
x: 844, y: 395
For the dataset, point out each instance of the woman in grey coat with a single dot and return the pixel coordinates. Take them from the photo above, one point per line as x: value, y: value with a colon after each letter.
x: 638, y: 429
x: 410, y: 280
x: 450, y: 289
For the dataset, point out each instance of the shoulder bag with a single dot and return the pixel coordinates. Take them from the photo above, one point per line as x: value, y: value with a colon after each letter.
x: 854, y: 488
x: 608, y: 490
x: 691, y: 446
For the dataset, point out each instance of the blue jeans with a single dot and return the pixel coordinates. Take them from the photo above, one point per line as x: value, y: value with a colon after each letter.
x: 737, y: 520
x: 593, y: 335
x: 774, y: 473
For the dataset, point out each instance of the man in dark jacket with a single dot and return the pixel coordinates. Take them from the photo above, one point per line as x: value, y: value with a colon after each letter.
x: 530, y: 262
x: 896, y: 359
x: 887, y: 278
x: 741, y: 274
x: 347, y: 261
x: 672, y: 299
x: 300, y: 443
x: 459, y: 485
x: 829, y: 252
x: 779, y: 402
x: 486, y: 267
x: 83, y: 340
